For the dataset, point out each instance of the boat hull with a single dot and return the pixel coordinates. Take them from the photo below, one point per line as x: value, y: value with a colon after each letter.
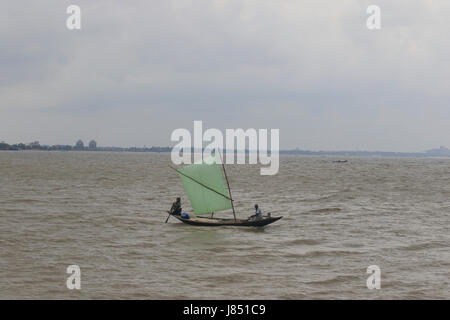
x: 216, y: 222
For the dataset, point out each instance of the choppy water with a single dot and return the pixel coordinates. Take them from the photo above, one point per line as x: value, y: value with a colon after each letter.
x: 105, y: 213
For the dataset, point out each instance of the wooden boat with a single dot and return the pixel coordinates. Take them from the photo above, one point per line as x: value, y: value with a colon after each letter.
x: 217, y: 222
x: 204, y: 184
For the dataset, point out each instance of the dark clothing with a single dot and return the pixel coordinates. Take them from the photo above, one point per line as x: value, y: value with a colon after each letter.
x: 176, y: 208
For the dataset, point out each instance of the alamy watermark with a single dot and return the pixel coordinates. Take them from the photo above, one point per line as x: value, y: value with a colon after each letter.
x: 73, y: 22
x: 74, y: 280
x: 235, y: 146
x: 374, y: 20
x: 374, y: 280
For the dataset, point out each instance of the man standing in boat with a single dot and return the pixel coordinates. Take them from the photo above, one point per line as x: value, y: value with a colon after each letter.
x: 176, y: 207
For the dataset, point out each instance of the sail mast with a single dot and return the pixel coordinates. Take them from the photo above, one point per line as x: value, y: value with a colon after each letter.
x: 228, y: 184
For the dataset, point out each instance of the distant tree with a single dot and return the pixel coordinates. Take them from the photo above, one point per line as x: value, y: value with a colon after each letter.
x: 35, y: 145
x: 92, y: 144
x: 79, y: 145
x: 4, y: 146
x: 65, y: 147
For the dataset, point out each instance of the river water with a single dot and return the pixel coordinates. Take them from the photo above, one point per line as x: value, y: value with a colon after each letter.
x: 105, y: 212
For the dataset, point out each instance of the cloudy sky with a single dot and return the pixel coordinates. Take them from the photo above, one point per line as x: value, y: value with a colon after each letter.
x: 137, y: 70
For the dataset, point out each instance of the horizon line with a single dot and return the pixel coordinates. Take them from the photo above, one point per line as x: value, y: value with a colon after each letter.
x: 46, y: 147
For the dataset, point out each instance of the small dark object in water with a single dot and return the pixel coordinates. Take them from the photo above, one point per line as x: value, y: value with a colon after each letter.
x: 184, y: 215
x: 340, y: 161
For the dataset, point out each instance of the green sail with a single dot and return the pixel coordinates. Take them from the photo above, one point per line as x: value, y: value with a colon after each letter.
x: 199, y: 181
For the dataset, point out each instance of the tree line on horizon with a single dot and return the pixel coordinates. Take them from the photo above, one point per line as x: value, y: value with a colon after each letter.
x: 79, y: 146
x: 92, y: 146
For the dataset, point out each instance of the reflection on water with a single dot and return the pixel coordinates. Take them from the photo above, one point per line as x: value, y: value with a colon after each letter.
x: 105, y: 212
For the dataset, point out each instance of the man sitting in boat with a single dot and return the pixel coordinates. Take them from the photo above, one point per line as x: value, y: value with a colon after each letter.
x: 176, y: 207
x: 258, y: 214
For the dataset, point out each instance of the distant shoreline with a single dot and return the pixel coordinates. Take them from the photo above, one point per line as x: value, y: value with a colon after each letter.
x: 433, y: 153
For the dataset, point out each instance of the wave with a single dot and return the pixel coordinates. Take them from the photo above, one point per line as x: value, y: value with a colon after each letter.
x: 335, y: 280
x: 318, y: 199
x: 424, y: 245
x: 319, y: 253
x: 302, y: 242
x: 325, y: 210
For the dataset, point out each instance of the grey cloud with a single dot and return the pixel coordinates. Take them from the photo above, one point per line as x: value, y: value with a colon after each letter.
x: 310, y: 68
